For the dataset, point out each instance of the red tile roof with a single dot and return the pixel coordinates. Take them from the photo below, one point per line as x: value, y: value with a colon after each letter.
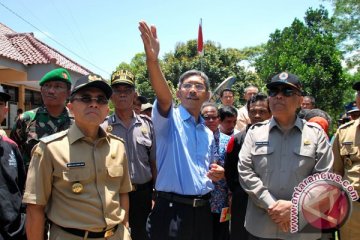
x: 25, y: 48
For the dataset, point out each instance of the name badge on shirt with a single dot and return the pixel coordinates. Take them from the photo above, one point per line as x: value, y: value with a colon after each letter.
x: 75, y: 164
x: 265, y: 143
x: 347, y: 143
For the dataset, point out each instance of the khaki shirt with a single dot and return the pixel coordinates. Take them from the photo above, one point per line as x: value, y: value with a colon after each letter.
x: 346, y: 153
x: 272, y: 163
x: 242, y: 119
x: 2, y: 132
x: 68, y: 157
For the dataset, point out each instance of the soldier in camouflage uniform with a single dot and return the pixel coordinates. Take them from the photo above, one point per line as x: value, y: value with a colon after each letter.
x: 48, y: 119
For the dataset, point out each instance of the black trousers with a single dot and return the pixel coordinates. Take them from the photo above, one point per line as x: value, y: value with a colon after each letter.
x: 140, y: 207
x: 238, y: 211
x: 220, y: 229
x: 177, y: 221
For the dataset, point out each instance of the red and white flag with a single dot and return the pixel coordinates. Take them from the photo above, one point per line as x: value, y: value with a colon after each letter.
x: 200, y: 43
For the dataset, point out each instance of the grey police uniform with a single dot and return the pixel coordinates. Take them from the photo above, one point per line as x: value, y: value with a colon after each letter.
x: 272, y: 163
x: 139, y: 144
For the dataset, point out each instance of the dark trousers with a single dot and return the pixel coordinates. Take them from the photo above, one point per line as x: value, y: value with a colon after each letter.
x: 238, y: 212
x: 220, y: 229
x: 178, y: 221
x: 140, y: 207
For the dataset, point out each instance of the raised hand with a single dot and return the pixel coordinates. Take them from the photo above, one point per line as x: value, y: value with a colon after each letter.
x: 150, y: 40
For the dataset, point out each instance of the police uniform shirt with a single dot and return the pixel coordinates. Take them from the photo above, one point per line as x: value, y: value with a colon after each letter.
x: 61, y: 160
x: 139, y: 143
x: 346, y: 153
x: 272, y: 163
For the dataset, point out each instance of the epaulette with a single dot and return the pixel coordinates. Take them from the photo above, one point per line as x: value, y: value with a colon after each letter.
x: 116, y: 137
x: 346, y: 124
x: 259, y: 124
x: 146, y: 117
x: 54, y: 136
x: 313, y: 124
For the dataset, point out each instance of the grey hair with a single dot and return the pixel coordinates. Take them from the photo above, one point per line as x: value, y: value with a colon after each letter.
x: 194, y: 72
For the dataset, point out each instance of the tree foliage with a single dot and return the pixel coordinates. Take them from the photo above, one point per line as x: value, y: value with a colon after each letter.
x: 217, y: 63
x: 347, y: 29
x: 307, y: 49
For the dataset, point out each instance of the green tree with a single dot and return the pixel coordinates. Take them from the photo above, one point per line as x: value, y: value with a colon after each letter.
x: 217, y: 63
x: 347, y: 29
x: 307, y: 49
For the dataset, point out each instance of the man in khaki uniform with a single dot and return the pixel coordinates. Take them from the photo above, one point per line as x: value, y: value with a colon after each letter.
x: 347, y: 164
x: 79, y: 177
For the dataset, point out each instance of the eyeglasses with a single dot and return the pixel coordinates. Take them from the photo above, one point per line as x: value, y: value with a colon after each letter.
x: 287, y: 92
x: 87, y: 99
x: 56, y: 87
x: 199, y: 87
x: 209, y: 118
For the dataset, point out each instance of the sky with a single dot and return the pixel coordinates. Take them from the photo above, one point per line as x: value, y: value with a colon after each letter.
x: 100, y: 35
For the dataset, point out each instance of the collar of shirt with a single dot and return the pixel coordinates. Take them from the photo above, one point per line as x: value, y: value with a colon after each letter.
x: 76, y: 134
x: 185, y: 115
x: 298, y: 123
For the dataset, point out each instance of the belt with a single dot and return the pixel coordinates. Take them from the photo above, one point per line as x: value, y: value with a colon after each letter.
x: 194, y: 201
x: 140, y: 187
x: 81, y: 233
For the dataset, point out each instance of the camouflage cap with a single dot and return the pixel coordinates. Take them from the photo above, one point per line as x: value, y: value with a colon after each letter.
x: 92, y: 80
x: 58, y: 74
x: 3, y: 95
x: 123, y: 77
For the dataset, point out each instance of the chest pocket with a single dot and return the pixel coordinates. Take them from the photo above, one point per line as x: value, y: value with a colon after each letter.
x: 347, y: 150
x: 350, y: 151
x: 76, y: 174
x: 260, y: 156
x: 305, y: 158
x: 144, y: 141
x: 115, y: 171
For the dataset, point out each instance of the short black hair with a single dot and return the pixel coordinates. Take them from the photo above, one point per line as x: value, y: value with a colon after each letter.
x: 257, y: 98
x: 209, y: 104
x: 227, y: 111
x: 226, y: 90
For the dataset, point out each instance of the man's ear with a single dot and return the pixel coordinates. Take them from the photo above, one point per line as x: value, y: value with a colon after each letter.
x: 70, y: 107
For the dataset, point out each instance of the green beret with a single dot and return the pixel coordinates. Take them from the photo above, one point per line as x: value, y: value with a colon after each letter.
x: 58, y: 74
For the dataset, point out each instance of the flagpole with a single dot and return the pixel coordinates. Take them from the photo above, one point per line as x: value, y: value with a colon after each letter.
x: 200, y: 45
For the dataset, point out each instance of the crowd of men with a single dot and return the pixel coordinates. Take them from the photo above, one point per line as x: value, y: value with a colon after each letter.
x: 71, y: 170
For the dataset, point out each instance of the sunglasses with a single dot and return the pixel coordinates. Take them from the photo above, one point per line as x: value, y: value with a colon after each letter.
x: 287, y: 92
x: 87, y: 99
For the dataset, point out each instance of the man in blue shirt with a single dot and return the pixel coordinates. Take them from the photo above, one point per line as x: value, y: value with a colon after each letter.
x: 185, y: 153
